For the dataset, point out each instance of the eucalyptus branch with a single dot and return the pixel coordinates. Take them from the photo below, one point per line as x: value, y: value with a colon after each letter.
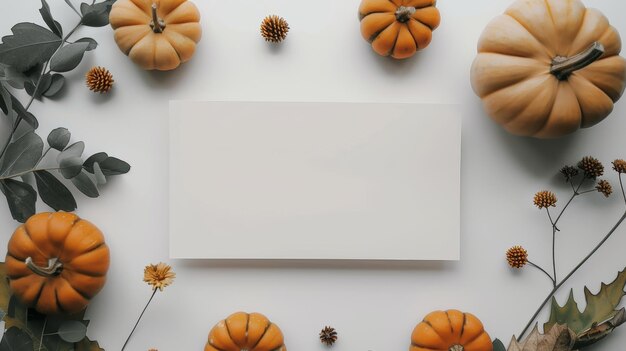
x: 30, y: 171
x: 571, y: 273
x: 18, y: 120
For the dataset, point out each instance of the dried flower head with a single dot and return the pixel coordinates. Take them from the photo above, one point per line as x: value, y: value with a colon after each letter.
x: 604, y: 187
x: 158, y: 275
x: 591, y: 166
x: 569, y: 172
x: 619, y: 166
x: 517, y: 257
x: 328, y: 336
x: 99, y: 80
x: 274, y: 29
x: 545, y: 199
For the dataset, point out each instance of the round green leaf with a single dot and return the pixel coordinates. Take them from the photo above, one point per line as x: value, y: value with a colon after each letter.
x: 59, y: 138
x: 57, y: 83
x: 68, y: 57
x: 72, y: 331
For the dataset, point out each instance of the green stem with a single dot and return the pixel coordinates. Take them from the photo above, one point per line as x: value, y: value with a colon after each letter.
x: 139, y: 319
x: 621, y: 185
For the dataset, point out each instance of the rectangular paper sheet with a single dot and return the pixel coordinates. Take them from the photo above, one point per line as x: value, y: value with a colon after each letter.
x: 314, y: 181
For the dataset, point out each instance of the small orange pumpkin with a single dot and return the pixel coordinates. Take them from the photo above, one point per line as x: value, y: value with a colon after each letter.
x: 156, y: 34
x: 57, y: 262
x: 398, y: 28
x: 242, y: 331
x: 450, y: 330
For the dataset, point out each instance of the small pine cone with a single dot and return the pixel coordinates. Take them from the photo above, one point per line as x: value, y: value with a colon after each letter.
x: 619, y: 166
x: 517, y: 257
x: 328, y: 336
x: 604, y: 187
x: 274, y: 29
x: 545, y: 199
x: 569, y: 172
x: 99, y: 80
x: 591, y: 166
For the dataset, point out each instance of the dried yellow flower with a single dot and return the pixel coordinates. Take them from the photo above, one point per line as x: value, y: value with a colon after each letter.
x: 274, y: 29
x: 517, y: 257
x: 99, y: 80
x: 604, y: 187
x: 159, y: 275
x: 619, y: 166
x: 591, y: 166
x: 545, y: 199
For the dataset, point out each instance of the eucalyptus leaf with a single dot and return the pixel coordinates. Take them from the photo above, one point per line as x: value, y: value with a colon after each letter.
x: 69, y: 3
x: 14, y: 77
x: 44, y: 84
x: 23, y: 114
x: 97, y: 171
x: 92, y: 43
x: 21, y: 198
x: 98, y: 157
x: 74, y: 150
x: 498, y: 345
x: 68, y: 57
x: 53, y: 192
x: 70, y: 167
x: 29, y: 45
x: 72, y: 331
x: 22, y: 154
x: 113, y: 166
x: 59, y: 138
x: 47, y: 17
x: 96, y: 15
x: 14, y: 339
x: 5, y: 99
x: 85, y: 184
x: 56, y: 85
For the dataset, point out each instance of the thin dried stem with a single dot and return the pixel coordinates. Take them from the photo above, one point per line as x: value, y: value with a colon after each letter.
x: 542, y: 270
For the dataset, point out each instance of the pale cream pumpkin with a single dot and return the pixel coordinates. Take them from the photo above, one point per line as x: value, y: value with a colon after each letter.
x: 156, y: 34
x: 546, y: 68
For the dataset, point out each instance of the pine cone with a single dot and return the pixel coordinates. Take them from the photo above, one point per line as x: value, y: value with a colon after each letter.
x: 328, y: 336
x: 619, y: 166
x: 274, y: 29
x: 604, y: 187
x: 99, y: 80
x: 591, y: 166
x: 545, y: 199
x: 517, y: 257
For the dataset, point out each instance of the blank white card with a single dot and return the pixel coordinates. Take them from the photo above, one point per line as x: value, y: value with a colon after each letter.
x: 314, y: 181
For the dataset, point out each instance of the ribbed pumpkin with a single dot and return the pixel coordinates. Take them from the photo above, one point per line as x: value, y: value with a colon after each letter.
x: 156, y: 34
x: 546, y: 68
x: 450, y: 330
x: 398, y: 28
x: 245, y: 332
x: 57, y: 262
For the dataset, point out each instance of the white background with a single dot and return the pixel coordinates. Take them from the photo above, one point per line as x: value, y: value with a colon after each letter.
x: 373, y: 305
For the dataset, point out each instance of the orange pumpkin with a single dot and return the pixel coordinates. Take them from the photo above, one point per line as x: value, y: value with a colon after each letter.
x: 57, y: 262
x: 242, y: 331
x: 450, y: 330
x: 398, y: 28
x: 156, y: 34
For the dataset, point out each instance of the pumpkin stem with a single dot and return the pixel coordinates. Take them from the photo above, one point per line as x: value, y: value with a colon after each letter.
x: 456, y: 348
x: 54, y: 267
x: 563, y: 67
x: 403, y: 14
x: 157, y: 24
